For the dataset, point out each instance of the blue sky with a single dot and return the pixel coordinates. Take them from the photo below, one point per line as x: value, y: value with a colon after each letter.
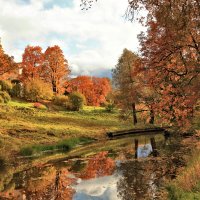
x: 91, y: 40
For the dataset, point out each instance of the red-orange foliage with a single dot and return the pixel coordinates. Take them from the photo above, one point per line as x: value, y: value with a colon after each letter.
x: 94, y: 89
x: 99, y: 165
x: 57, y: 67
x: 171, y: 56
x: 101, y: 88
x: 7, y: 63
x: 32, y: 63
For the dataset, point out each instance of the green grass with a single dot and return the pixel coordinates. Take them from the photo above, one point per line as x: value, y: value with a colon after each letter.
x: 64, y: 146
x: 21, y: 104
x: 22, y: 125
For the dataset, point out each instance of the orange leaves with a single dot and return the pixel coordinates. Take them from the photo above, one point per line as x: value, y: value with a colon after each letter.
x: 57, y: 67
x: 7, y: 63
x: 50, y: 66
x: 32, y: 62
x: 99, y: 165
x: 94, y: 89
x: 171, y: 57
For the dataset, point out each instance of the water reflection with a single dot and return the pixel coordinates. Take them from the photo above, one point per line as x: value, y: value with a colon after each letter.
x: 102, y: 176
x: 98, y: 188
x: 98, y: 166
x: 144, y: 151
x: 139, y: 180
x: 97, y: 181
x: 46, y: 183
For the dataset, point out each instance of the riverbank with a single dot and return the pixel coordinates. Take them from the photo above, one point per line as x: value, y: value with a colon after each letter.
x: 186, y: 186
x: 22, y: 125
x: 29, y: 130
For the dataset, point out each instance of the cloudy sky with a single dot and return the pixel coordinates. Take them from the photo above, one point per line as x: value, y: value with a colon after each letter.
x: 91, y: 40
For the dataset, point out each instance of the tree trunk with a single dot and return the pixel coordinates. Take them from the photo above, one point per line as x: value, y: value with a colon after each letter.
x: 151, y: 121
x: 54, y: 87
x: 153, y: 144
x: 134, y: 114
x: 136, y: 148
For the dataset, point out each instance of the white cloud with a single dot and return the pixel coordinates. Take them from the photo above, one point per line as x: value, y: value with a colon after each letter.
x: 97, y: 188
x: 72, y: 29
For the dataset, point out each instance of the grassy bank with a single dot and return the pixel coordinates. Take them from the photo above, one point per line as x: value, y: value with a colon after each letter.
x: 22, y: 125
x: 186, y: 186
x: 62, y: 146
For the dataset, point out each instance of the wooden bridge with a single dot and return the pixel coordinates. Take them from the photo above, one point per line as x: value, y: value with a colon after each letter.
x: 144, y: 131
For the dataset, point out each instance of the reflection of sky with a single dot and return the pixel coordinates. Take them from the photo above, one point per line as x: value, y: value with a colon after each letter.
x: 144, y: 151
x: 104, y: 188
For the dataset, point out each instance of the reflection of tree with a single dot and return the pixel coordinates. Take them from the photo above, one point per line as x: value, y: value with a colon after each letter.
x: 139, y: 181
x: 99, y: 165
x: 48, y: 183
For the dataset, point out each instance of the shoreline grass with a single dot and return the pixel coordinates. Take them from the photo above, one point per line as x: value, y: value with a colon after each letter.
x: 62, y: 146
x: 186, y: 186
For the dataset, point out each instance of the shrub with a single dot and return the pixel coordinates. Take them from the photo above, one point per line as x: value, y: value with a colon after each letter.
x: 27, y: 151
x: 77, y: 101
x: 39, y: 106
x: 6, y: 86
x: 61, y: 100
x: 16, y: 90
x: 109, y: 107
x: 69, y: 106
x: 36, y: 90
x: 5, y: 96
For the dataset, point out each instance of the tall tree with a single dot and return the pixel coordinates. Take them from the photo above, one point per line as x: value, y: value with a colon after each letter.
x: 125, y: 82
x: 57, y: 67
x: 7, y: 63
x: 171, y: 55
x: 32, y: 63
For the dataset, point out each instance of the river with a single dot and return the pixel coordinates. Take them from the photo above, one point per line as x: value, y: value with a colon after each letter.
x: 112, y: 172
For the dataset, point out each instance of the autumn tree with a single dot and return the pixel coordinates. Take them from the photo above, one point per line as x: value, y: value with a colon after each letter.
x: 7, y: 63
x: 171, y: 55
x: 125, y: 82
x: 84, y: 85
x: 32, y: 63
x: 101, y: 87
x: 95, y: 89
x: 57, y: 68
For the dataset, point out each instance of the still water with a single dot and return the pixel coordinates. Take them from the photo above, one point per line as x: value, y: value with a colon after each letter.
x: 132, y: 171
